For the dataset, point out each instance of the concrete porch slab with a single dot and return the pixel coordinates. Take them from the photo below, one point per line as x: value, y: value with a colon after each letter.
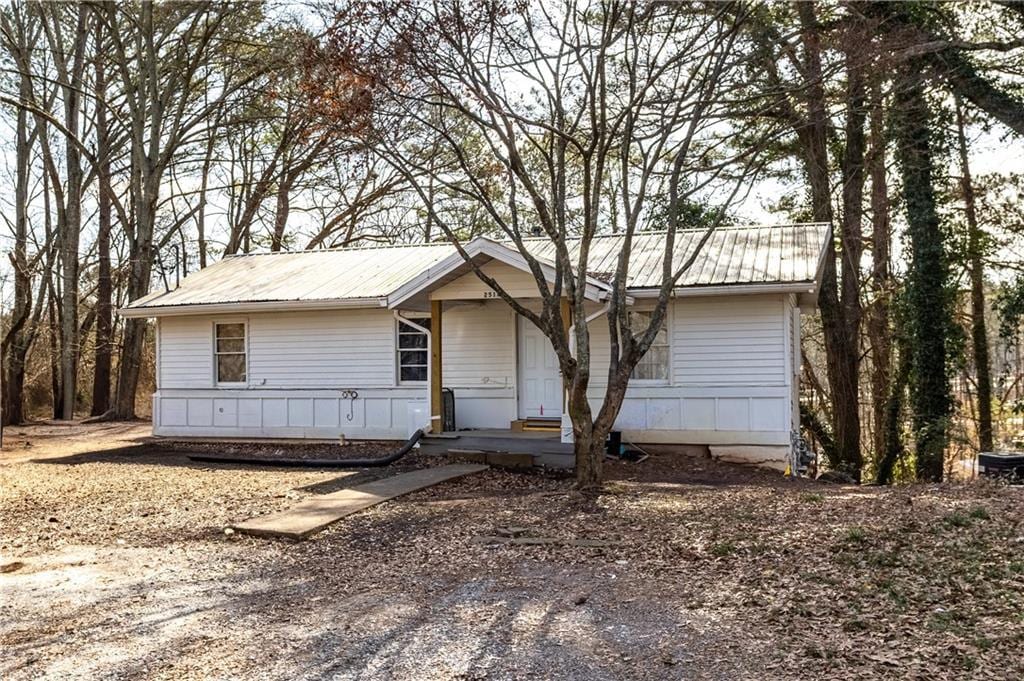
x: 313, y: 515
x: 497, y: 440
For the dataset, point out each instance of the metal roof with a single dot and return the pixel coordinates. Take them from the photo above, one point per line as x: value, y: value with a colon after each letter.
x: 762, y: 254
x: 341, y: 274
x: 759, y: 254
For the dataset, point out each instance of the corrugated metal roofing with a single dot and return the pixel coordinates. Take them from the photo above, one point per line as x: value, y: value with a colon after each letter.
x: 763, y: 254
x: 341, y: 274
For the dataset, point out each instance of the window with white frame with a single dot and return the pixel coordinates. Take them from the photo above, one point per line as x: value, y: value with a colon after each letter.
x: 229, y: 352
x: 412, y: 351
x: 654, y: 365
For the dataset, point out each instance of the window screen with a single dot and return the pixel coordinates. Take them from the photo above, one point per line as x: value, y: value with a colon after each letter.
x: 230, y: 352
x: 653, y: 366
x: 412, y: 351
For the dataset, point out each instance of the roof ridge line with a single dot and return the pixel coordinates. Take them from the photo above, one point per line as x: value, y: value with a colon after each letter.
x: 338, y: 249
x: 775, y: 225
x: 505, y: 241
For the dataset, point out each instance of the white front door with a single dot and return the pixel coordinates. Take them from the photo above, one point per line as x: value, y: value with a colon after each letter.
x: 540, y: 383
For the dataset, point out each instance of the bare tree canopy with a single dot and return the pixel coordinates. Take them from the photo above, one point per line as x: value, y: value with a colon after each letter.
x: 146, y: 140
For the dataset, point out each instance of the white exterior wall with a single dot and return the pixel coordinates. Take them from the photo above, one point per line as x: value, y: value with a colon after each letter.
x: 300, y: 362
x: 732, y: 374
x: 298, y: 365
x: 734, y: 362
x: 478, y: 360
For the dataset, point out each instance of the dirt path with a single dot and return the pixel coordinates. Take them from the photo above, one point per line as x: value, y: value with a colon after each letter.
x: 117, y: 566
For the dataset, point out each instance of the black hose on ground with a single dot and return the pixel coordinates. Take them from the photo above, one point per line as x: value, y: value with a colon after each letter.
x: 316, y: 463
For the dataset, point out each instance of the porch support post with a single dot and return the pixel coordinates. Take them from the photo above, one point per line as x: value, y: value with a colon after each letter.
x: 436, y: 402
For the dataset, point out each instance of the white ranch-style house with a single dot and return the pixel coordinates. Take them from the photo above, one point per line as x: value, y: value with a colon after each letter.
x: 359, y: 342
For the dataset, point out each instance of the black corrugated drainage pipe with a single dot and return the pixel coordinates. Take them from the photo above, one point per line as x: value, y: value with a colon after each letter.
x: 316, y: 463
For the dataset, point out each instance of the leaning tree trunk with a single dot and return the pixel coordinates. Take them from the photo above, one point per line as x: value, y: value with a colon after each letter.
x: 282, y: 208
x: 979, y: 334
x: 928, y: 309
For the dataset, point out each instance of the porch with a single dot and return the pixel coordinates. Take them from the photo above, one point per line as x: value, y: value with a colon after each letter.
x: 545, y: 447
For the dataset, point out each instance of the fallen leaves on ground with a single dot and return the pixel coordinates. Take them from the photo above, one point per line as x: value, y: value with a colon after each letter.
x: 710, y: 571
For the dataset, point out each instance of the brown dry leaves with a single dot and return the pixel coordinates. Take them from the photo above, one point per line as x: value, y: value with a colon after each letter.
x: 715, y: 572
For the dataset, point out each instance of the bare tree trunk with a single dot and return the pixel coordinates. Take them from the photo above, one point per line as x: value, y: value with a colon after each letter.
x: 979, y: 334
x: 892, y: 412
x: 104, y: 289
x: 840, y: 345
x: 70, y: 225
x: 56, y: 392
x: 201, y: 210
x: 15, y: 346
x: 281, y: 210
x: 878, y: 324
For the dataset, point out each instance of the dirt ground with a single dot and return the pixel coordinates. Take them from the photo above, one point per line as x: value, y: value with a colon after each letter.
x: 115, y: 564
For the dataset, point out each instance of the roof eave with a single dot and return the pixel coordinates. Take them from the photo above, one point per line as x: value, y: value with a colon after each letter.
x: 798, y: 287
x: 260, y: 306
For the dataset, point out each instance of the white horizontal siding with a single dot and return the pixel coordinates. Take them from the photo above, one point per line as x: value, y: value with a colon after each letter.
x: 478, y: 345
x: 728, y: 367
x: 729, y: 341
x: 733, y: 366
x: 328, y: 349
x: 186, y: 352
x: 516, y: 282
x: 478, y: 348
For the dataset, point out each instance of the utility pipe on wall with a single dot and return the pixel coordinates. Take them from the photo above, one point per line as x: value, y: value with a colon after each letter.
x: 587, y: 320
x: 567, y: 433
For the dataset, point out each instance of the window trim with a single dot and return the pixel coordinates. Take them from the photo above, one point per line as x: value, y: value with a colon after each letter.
x: 668, y: 344
x: 418, y: 319
x: 214, y: 353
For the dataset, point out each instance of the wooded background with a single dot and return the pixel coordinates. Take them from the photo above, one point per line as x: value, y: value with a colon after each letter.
x: 143, y: 141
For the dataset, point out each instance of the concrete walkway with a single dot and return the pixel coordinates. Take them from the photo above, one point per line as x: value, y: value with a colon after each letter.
x: 313, y: 515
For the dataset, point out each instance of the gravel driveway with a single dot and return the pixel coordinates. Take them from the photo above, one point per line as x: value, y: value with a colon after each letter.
x: 116, y: 565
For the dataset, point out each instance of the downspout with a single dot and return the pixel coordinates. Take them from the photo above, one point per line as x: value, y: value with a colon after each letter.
x: 430, y: 373
x: 587, y: 320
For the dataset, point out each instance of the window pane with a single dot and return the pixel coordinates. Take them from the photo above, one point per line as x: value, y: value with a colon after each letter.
x: 658, y: 358
x: 412, y: 357
x: 418, y: 340
x: 405, y: 328
x: 230, y: 345
x: 413, y: 373
x: 231, y: 368
x: 230, y: 330
x: 639, y: 321
x: 653, y: 366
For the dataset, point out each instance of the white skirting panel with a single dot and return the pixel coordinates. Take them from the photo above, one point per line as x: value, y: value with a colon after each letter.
x: 319, y: 414
x: 705, y: 416
x: 485, y: 407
